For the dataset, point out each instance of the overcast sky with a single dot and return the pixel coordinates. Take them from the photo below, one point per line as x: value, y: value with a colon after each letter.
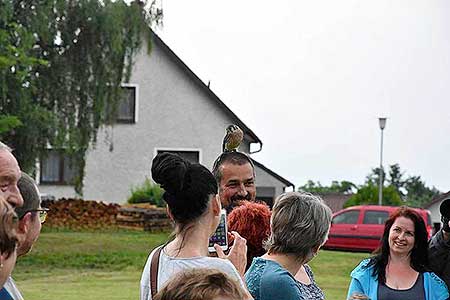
x: 310, y: 78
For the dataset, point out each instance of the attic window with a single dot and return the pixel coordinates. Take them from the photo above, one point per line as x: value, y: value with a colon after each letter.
x: 126, y: 111
x: 191, y: 156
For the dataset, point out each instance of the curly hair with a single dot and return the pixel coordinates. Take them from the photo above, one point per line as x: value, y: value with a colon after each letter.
x: 201, y: 284
x: 419, y: 254
x: 252, y: 221
x: 8, y: 223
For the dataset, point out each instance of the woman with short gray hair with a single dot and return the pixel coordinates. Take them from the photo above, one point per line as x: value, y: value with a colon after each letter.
x: 299, y: 227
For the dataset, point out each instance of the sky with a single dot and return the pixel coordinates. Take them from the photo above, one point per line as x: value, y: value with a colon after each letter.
x: 311, y: 79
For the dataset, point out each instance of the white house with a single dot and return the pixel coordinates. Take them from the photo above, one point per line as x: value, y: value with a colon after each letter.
x: 166, y: 108
x: 434, y: 205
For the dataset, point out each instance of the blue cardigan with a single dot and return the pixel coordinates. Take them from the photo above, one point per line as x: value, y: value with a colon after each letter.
x: 363, y: 282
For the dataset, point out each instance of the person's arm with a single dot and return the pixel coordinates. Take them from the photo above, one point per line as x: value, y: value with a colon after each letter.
x: 356, y: 291
x: 438, y: 251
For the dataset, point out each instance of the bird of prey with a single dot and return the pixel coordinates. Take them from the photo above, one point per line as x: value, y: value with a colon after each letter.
x: 232, y: 139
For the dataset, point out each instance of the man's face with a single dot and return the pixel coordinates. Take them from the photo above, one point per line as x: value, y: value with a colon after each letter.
x: 9, y: 176
x: 237, y: 183
x: 34, y: 229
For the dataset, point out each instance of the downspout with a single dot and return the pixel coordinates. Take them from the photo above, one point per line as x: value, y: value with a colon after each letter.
x: 260, y: 148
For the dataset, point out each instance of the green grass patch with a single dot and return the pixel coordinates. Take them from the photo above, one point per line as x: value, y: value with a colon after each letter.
x: 108, y: 264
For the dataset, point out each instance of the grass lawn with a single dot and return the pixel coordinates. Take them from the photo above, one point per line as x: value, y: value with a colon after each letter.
x: 107, y: 265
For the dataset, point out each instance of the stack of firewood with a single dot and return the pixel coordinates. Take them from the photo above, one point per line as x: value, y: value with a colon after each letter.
x: 80, y: 214
x: 151, y: 218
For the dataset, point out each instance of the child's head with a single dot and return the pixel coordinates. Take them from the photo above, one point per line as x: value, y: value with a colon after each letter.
x: 201, y: 284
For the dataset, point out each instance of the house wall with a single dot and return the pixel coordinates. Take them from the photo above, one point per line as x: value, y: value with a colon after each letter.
x: 173, y: 112
x: 435, y: 213
x: 264, y: 179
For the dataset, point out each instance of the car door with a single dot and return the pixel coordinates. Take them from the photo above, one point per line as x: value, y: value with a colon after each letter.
x: 342, y: 230
x: 371, y: 228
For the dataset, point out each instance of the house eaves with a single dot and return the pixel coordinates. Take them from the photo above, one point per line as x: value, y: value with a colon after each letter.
x: 249, y: 134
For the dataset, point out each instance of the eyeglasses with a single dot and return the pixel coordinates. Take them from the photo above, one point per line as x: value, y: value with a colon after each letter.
x: 42, y: 214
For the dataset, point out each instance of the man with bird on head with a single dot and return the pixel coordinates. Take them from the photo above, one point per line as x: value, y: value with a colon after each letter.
x: 234, y: 171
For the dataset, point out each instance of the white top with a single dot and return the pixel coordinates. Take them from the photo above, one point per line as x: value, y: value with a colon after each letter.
x: 169, y: 266
x: 12, y: 289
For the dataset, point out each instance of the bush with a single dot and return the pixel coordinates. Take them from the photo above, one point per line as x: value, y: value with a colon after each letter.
x: 148, y: 192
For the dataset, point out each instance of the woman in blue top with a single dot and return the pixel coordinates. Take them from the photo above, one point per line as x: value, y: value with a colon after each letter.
x: 399, y: 269
x: 299, y: 226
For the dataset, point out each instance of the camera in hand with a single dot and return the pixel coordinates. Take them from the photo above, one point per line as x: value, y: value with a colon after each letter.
x: 445, y: 214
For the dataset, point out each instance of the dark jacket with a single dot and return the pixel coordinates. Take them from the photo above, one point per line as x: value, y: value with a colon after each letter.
x: 439, y: 256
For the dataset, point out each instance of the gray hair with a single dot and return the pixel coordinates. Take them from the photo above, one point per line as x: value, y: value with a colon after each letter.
x: 300, y: 222
x: 5, y: 147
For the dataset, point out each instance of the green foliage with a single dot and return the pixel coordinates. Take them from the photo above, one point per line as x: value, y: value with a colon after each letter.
x: 344, y: 187
x: 368, y: 194
x: 418, y: 194
x: 8, y: 123
x: 62, y: 64
x: 148, y: 192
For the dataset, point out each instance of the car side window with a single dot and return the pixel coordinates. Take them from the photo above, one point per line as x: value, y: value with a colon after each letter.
x: 375, y: 217
x: 348, y: 217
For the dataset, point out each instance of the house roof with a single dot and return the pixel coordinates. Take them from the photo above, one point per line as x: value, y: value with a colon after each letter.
x: 269, y: 171
x: 437, y: 199
x: 249, y: 134
x: 335, y: 201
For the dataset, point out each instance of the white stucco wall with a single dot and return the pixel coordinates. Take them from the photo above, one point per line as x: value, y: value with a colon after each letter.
x: 264, y: 179
x: 435, y: 214
x: 173, y: 112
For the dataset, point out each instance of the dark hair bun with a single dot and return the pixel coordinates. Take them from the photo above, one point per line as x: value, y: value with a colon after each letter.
x: 169, y: 171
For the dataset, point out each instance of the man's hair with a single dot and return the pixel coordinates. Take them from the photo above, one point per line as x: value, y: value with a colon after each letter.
x: 5, y: 147
x: 200, y: 284
x: 235, y: 158
x: 30, y: 195
x: 300, y: 222
x: 8, y: 238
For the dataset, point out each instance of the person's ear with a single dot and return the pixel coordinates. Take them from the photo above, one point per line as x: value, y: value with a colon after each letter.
x: 169, y: 213
x: 216, y: 205
x: 25, y: 223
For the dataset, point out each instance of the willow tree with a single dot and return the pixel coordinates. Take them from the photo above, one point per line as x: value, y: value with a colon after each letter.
x: 62, y: 63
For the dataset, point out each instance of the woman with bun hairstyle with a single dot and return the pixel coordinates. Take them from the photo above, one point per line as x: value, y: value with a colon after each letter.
x: 190, y: 194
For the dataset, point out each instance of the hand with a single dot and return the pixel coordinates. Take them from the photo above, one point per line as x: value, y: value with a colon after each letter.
x: 237, y: 254
x: 358, y: 296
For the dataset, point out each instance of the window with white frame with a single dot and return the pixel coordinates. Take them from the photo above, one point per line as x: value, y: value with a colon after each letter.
x: 192, y: 156
x: 126, y: 110
x: 56, y: 168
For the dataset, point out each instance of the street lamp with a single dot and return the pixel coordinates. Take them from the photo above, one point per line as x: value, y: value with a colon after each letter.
x: 382, y: 122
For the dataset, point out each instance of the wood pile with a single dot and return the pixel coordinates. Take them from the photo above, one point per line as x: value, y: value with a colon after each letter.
x: 80, y: 214
x: 150, y: 218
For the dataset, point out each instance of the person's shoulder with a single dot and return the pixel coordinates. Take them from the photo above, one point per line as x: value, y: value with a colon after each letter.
x: 218, y: 263
x: 434, y: 279
x: 279, y: 284
x: 362, y: 268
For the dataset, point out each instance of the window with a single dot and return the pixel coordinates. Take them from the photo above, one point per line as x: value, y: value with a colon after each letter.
x: 57, y: 169
x: 191, y: 156
x: 126, y: 111
x: 375, y: 217
x: 348, y: 217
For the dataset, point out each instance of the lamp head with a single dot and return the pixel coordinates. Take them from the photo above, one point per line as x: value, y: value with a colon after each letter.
x: 382, y: 122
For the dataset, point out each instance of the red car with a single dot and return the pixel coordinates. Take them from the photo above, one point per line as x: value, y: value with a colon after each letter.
x: 359, y: 228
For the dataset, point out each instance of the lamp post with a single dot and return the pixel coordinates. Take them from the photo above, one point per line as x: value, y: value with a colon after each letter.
x: 382, y: 122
